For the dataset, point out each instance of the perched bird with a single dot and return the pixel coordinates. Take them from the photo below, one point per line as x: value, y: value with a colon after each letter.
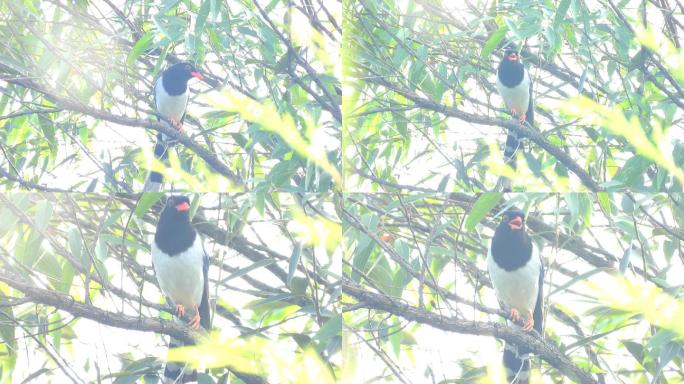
x: 517, y: 274
x: 170, y: 101
x: 515, y: 88
x: 181, y: 267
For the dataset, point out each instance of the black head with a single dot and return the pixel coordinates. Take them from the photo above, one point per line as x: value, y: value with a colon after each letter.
x: 177, y: 206
x: 511, y: 55
x: 514, y: 219
x: 174, y: 233
x: 511, y: 247
x: 176, y: 77
x: 183, y: 71
x: 511, y: 70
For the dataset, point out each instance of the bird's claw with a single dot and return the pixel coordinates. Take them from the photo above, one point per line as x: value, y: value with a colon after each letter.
x: 176, y: 124
x: 515, y: 316
x: 180, y: 310
x: 529, y: 323
x: 194, y: 323
x: 521, y: 117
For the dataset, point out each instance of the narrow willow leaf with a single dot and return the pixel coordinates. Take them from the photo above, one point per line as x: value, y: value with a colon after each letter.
x: 481, y: 208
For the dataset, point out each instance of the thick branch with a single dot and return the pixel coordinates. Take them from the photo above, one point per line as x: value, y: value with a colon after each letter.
x: 69, y: 304
x: 78, y: 309
x: 546, y: 351
x: 159, y: 126
x: 522, y: 130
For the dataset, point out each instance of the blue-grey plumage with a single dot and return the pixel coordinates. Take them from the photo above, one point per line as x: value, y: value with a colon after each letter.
x: 171, y: 96
x: 181, y: 266
x: 517, y: 274
x: 515, y: 87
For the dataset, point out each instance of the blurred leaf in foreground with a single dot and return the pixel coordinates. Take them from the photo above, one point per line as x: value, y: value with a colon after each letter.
x: 269, y: 119
x: 655, y: 305
x: 275, y: 360
x: 616, y: 123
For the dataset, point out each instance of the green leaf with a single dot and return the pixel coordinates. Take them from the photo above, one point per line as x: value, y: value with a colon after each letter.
x: 579, y: 278
x: 140, y: 46
x: 7, y: 332
x: 298, y: 285
x: 560, y: 13
x: 493, y: 41
x: 246, y: 270
x: 67, y: 277
x: 294, y: 261
x: 624, y: 262
x: 666, y: 354
x: 146, y: 201
x: 649, y: 145
x: 361, y: 254
x: 202, y: 18
x: 636, y: 349
x: 330, y: 329
x: 604, y: 202
x: 267, y: 116
x: 43, y: 214
x: 481, y: 208
x: 75, y: 244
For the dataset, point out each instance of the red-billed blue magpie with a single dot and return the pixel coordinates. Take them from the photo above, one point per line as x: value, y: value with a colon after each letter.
x: 517, y: 274
x: 181, y: 267
x: 170, y: 101
x: 515, y: 87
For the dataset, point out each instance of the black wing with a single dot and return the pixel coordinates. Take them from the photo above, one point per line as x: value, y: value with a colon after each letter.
x: 529, y: 116
x: 205, y: 320
x: 537, y: 316
x: 154, y: 94
x: 186, y: 108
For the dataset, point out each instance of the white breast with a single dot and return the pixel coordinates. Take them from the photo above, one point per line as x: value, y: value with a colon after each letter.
x: 171, y: 107
x: 181, y: 276
x: 518, y: 288
x: 518, y: 97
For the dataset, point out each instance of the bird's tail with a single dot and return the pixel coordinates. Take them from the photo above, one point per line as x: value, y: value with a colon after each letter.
x: 161, y: 152
x: 512, y: 145
x: 517, y: 363
x: 175, y: 372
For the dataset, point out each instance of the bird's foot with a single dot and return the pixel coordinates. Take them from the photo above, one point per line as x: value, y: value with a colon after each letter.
x: 522, y: 117
x: 180, y: 310
x: 176, y: 124
x: 514, y: 112
x: 515, y: 315
x: 529, y: 323
x: 194, y: 323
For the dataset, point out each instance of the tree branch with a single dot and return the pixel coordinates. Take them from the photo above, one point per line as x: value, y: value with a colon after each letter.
x: 522, y: 130
x: 69, y: 304
x: 545, y: 350
x: 159, y: 126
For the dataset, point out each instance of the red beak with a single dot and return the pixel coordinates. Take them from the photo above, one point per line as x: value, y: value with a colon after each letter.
x: 516, y: 223
x: 513, y: 57
x: 182, y: 207
x: 197, y: 75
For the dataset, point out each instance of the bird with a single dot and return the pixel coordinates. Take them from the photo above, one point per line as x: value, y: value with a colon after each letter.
x: 516, y: 271
x: 515, y: 87
x: 181, y: 266
x: 170, y: 102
